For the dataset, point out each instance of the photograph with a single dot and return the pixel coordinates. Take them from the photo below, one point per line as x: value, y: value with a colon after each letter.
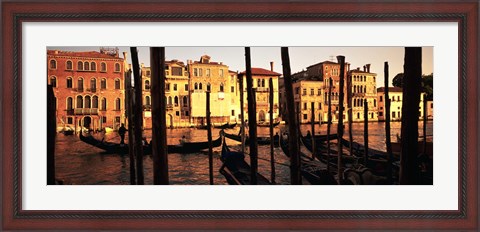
x: 240, y: 115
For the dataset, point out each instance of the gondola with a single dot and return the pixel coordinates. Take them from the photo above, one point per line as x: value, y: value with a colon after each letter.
x: 313, y: 171
x: 115, y: 148
x: 260, y: 140
x: 266, y: 124
x: 225, y: 126
x: 236, y: 170
x: 321, y: 149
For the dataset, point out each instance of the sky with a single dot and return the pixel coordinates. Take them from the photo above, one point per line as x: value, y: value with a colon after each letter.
x: 300, y: 57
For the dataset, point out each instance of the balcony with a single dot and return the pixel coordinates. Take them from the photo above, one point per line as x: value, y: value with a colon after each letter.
x: 262, y: 89
x: 169, y: 106
x: 83, y: 111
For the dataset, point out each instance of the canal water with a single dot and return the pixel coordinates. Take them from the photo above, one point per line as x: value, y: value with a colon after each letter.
x: 81, y: 164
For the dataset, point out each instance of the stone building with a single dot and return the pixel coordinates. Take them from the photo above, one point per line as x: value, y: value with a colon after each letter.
x: 308, y: 91
x: 214, y: 77
x: 176, y: 95
x: 364, y: 87
x: 396, y: 100
x: 88, y: 88
x: 261, y: 78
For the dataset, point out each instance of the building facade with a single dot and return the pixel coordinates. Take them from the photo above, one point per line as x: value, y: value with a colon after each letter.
x: 261, y: 78
x: 363, y: 88
x: 396, y: 100
x: 306, y: 92
x: 214, y: 77
x: 88, y: 88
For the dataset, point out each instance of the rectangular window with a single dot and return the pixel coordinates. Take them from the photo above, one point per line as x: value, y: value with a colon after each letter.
x: 221, y: 72
x: 104, y: 119
x: 69, y: 120
x: 117, y: 119
x: 305, y: 116
x: 233, y: 112
x: 393, y: 114
x: 431, y: 105
x: 381, y: 98
x: 380, y: 114
x: 319, y: 92
x: 174, y: 87
x: 304, y: 92
x: 186, y: 87
x: 297, y: 90
x: 207, y: 72
x: 148, y: 73
x: 319, y: 106
x: 232, y: 89
x: 176, y: 71
x: 195, y: 72
x: 186, y: 113
x: 167, y: 87
x: 177, y: 113
x: 200, y: 72
x: 312, y: 92
x: 399, y: 114
x: 304, y: 105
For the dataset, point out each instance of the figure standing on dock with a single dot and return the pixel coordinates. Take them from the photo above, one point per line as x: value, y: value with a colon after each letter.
x: 121, y: 131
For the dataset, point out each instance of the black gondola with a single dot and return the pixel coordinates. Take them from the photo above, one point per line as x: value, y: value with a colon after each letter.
x: 235, y: 169
x: 225, y: 126
x: 260, y: 140
x: 266, y: 124
x: 115, y: 148
x: 313, y: 171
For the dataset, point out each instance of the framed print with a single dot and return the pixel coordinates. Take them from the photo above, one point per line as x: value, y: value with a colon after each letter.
x: 87, y: 38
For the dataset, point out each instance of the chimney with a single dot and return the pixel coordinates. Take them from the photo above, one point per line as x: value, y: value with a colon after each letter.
x: 271, y: 66
x: 358, y: 68
x: 368, y: 67
x: 348, y: 66
x: 364, y: 68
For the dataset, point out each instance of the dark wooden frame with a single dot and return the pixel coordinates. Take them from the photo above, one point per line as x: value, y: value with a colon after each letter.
x: 465, y: 13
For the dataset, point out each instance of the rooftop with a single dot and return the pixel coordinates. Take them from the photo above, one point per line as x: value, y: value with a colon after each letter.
x: 262, y: 72
x: 390, y: 89
x: 87, y: 54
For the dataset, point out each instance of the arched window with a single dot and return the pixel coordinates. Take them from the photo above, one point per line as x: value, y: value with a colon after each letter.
x: 117, y: 104
x: 95, y: 102
x: 147, y: 100
x: 93, y: 84
x: 80, y: 84
x: 117, y: 83
x: 104, y: 104
x: 88, y: 102
x: 103, y: 67
x: 208, y: 87
x: 86, y: 66
x: 221, y: 87
x: 53, y: 64
x: 354, y: 102
x: 69, y: 82
x: 69, y: 65
x: 196, y: 85
x: 169, y: 100
x: 185, y: 101
x: 79, y: 102
x: 103, y: 83
x: 53, y: 81
x: 93, y: 66
x: 80, y: 66
x: 69, y: 103
x: 200, y: 86
x: 147, y: 84
x: 175, y: 100
x: 117, y: 67
x: 259, y: 82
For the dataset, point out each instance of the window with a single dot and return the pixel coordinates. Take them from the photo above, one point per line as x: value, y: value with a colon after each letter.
x: 177, y: 113
x: 176, y: 71
x: 117, y: 119
x: 304, y: 105
x: 305, y: 116
x: 208, y: 87
x: 233, y: 112
x: 53, y: 81
x: 195, y: 72
x: 147, y: 101
x: 147, y: 84
x: 148, y: 73
x: 69, y: 120
x: 259, y: 83
x: 320, y: 106
x: 93, y: 66
x: 69, y: 65
x: 221, y: 87
x: 393, y: 114
x: 221, y: 72
x: 358, y: 115
x: 117, y: 104
x: 380, y: 114
x: 196, y: 85
x: 297, y: 90
x: 93, y: 84
x: 398, y: 114
x: 103, y: 83
x: 304, y: 92
x: 374, y: 103
x: 104, y: 119
x: 69, y: 82
x: 86, y: 66
x: 53, y: 64
x: 104, y: 104
x: 431, y: 105
x: 117, y: 83
x: 232, y: 89
x: 169, y: 100
x: 185, y: 101
x: 186, y: 113
x: 88, y: 102
x: 381, y: 99
x: 174, y: 87
x: 95, y: 102
x: 167, y: 87
x: 103, y: 67
x: 175, y: 100
x: 207, y: 72
x: 186, y: 87
x: 200, y: 72
x: 69, y: 103
x: 200, y: 86
x: 80, y: 84
x: 80, y: 66
x: 117, y: 67
x: 312, y: 92
x: 79, y: 102
x: 319, y: 92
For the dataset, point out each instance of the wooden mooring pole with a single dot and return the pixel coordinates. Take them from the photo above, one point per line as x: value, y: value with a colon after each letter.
x: 159, y: 120
x: 341, y: 60
x: 130, y: 117
x: 365, y: 131
x: 349, y: 112
x: 252, y: 119
x: 312, y: 122
x: 51, y: 134
x: 272, y: 155
x: 409, y: 172
x: 293, y: 145
x: 425, y: 124
x: 329, y: 121
x: 209, y: 136
x: 242, y: 114
x: 387, y: 126
x: 138, y: 111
